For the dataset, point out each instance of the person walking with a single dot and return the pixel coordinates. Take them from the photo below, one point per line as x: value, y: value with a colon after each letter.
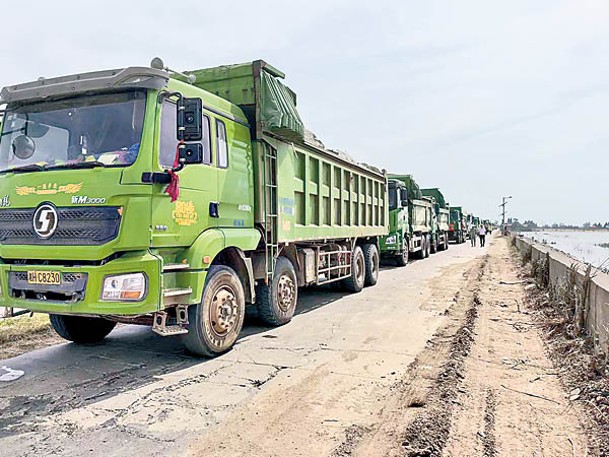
x: 482, y: 235
x: 472, y: 235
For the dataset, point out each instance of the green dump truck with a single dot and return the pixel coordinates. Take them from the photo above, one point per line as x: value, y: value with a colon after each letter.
x: 440, y: 221
x: 175, y: 200
x: 410, y: 219
x: 457, y: 228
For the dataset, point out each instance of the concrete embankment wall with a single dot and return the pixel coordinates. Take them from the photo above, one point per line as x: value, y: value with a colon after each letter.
x: 560, y: 267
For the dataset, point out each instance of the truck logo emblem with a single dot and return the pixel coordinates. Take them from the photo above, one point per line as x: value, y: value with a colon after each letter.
x: 45, y: 221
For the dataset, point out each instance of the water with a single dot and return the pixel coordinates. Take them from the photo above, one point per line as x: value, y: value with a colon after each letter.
x: 582, y: 245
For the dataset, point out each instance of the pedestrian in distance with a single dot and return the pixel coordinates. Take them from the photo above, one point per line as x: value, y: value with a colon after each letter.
x: 472, y: 235
x: 482, y: 235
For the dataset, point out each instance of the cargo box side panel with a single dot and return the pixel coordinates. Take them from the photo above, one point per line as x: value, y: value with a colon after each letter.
x: 320, y: 198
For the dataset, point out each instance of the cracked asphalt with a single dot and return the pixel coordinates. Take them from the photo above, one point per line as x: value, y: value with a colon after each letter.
x: 309, y: 381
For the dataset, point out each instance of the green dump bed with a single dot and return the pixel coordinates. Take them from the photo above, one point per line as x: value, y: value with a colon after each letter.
x: 304, y: 191
x: 257, y: 89
x: 440, y: 207
x: 437, y: 195
x: 414, y: 192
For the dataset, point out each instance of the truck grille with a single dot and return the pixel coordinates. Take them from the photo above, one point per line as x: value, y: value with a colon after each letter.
x: 82, y: 226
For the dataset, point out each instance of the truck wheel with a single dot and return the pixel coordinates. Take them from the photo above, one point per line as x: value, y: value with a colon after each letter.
x: 433, y: 245
x: 276, y: 303
x: 355, y: 282
x: 371, y: 260
x: 81, y: 329
x: 402, y: 259
x: 421, y: 252
x: 215, y: 323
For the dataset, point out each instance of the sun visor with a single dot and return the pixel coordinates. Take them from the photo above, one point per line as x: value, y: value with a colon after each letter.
x: 98, y: 81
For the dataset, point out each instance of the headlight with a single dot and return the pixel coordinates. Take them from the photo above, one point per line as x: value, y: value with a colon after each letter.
x: 124, y: 287
x: 391, y: 239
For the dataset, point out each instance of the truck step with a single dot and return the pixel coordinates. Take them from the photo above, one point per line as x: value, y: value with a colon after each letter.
x: 170, y: 330
x: 175, y: 266
x: 176, y: 292
x: 160, y: 327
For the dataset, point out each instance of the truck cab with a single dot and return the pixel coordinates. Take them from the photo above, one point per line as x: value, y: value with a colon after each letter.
x: 395, y: 245
x: 87, y: 228
x: 457, y: 227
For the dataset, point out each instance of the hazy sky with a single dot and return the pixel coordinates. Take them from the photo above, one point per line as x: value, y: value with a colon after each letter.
x: 482, y: 98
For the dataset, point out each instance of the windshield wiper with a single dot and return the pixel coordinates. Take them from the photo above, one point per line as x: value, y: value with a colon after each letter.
x: 91, y: 164
x: 26, y: 168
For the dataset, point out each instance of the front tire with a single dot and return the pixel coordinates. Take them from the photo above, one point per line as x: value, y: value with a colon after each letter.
x: 402, y: 259
x: 371, y: 260
x: 355, y: 282
x: 216, y: 322
x: 81, y: 329
x: 276, y: 303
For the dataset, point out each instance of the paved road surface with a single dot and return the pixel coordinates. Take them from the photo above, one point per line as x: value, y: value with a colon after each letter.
x: 140, y: 394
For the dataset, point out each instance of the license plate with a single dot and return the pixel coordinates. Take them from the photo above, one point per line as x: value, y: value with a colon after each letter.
x: 44, y: 277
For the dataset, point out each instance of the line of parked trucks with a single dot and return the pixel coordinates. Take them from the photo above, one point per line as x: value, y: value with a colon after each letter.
x: 183, y: 200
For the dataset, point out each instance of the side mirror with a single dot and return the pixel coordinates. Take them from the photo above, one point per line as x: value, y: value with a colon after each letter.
x: 404, y: 203
x: 191, y: 153
x: 190, y: 119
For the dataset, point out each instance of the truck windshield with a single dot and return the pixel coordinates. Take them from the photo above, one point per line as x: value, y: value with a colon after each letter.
x: 393, y: 198
x: 77, y: 132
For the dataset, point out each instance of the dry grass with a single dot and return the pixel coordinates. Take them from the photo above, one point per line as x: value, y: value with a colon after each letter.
x: 24, y: 333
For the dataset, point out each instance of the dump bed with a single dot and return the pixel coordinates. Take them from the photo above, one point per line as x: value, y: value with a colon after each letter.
x: 421, y: 215
x: 304, y: 192
x: 256, y: 88
x: 319, y: 196
x: 437, y: 195
x: 443, y: 219
x: 414, y: 192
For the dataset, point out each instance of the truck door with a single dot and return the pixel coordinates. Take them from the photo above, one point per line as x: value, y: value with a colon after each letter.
x: 232, y: 158
x: 179, y: 223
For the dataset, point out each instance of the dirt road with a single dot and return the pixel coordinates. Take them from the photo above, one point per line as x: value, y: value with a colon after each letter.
x: 434, y: 360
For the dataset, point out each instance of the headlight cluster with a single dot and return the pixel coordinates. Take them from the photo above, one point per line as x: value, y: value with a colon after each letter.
x: 130, y: 287
x: 391, y: 239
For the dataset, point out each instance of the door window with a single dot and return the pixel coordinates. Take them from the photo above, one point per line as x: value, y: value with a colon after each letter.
x: 221, y: 144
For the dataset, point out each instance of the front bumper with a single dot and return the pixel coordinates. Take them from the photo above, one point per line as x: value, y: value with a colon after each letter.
x: 86, y: 283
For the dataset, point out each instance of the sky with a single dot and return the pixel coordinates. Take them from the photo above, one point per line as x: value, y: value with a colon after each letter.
x: 482, y: 98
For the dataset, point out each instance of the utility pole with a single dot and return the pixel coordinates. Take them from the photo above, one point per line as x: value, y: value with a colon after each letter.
x: 505, y: 199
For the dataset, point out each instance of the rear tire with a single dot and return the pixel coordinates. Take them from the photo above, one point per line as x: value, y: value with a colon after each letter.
x: 371, y: 261
x: 81, y: 329
x: 216, y: 322
x: 433, y: 245
x: 355, y: 282
x: 276, y: 303
x: 421, y: 252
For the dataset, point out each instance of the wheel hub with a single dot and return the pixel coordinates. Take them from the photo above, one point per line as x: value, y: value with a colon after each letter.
x: 286, y: 292
x: 223, y: 311
x: 359, y: 269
